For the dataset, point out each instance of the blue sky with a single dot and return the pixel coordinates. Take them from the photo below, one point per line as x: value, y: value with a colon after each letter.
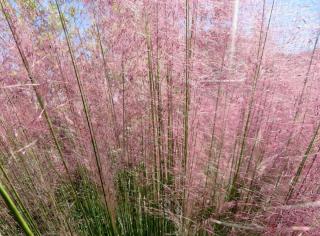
x: 298, y: 22
x: 294, y: 22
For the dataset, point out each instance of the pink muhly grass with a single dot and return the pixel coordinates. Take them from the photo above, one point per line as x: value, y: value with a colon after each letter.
x: 163, y: 117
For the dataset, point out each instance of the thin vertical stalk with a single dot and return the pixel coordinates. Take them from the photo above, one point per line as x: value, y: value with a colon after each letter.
x: 152, y: 107
x: 87, y: 115
x: 109, y: 88
x: 232, y: 189
x: 124, y: 123
x: 222, y: 141
x: 186, y: 101
x: 186, y: 94
x: 159, y: 103
x: 212, y: 142
x: 169, y: 92
x: 170, y: 141
x: 234, y: 32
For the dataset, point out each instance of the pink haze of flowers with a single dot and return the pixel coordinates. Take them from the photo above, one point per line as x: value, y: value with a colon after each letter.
x: 252, y: 103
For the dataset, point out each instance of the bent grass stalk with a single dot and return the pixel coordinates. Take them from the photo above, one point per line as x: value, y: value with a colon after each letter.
x: 315, y: 156
x: 30, y: 185
x: 301, y: 165
x: 19, y: 201
x: 33, y: 81
x: 13, y: 208
x: 39, y: 98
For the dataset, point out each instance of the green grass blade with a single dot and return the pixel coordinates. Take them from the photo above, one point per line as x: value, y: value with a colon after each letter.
x: 12, y: 207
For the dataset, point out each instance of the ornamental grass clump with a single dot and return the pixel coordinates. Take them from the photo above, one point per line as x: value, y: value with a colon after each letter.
x: 159, y: 117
